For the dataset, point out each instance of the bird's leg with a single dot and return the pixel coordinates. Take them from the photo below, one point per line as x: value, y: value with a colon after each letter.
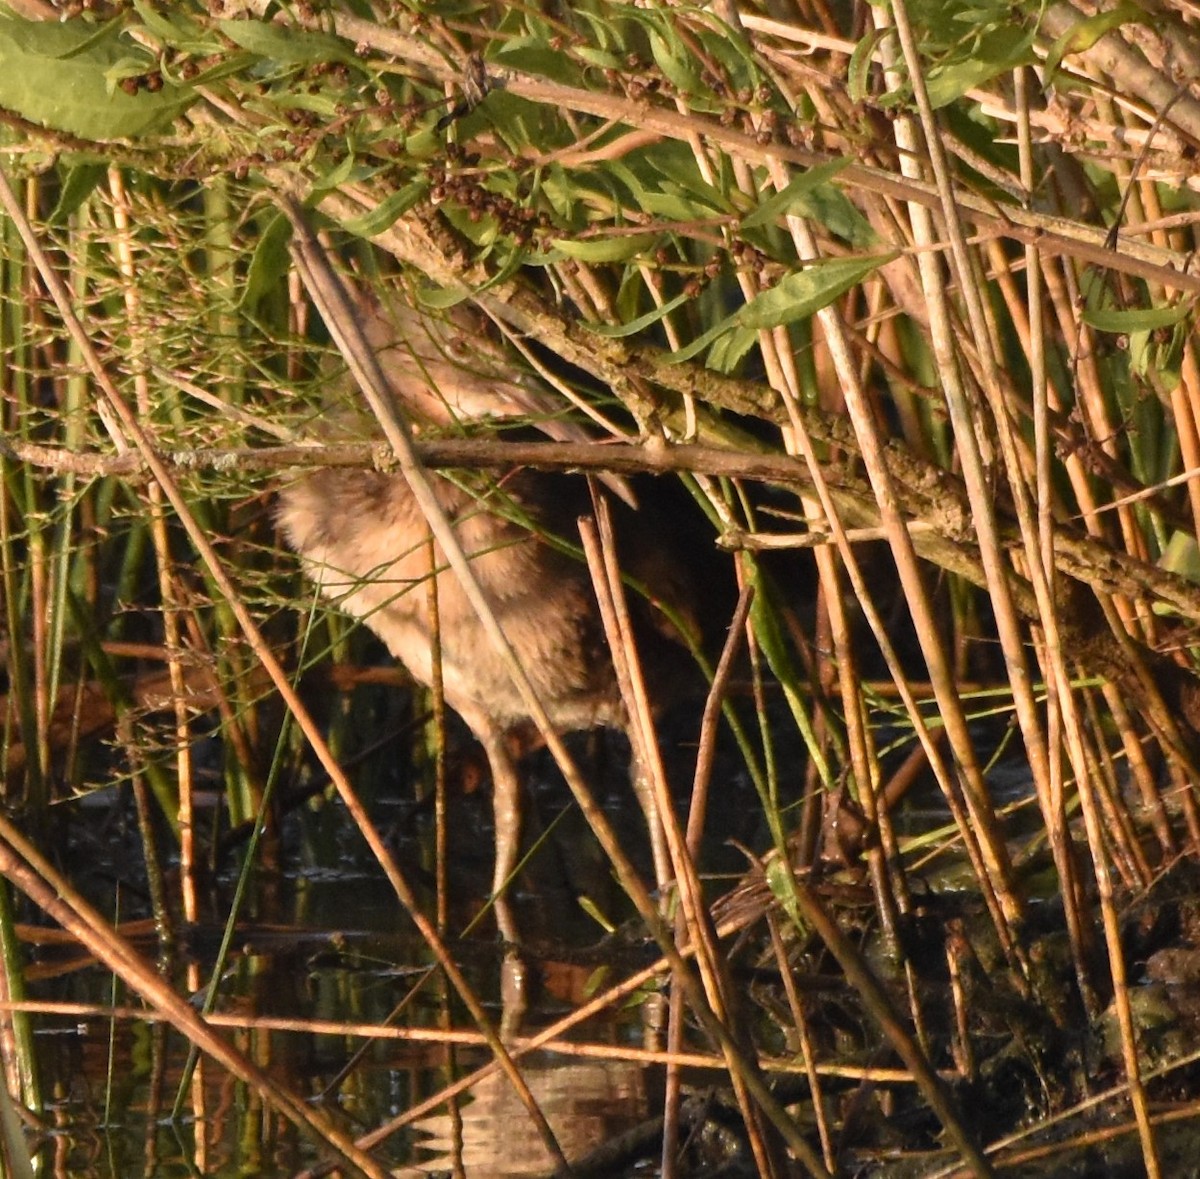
x: 506, y: 810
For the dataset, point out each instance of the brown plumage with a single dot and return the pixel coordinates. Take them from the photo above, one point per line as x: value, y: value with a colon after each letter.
x: 363, y: 541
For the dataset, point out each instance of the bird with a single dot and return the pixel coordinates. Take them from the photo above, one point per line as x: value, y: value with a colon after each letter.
x: 364, y: 542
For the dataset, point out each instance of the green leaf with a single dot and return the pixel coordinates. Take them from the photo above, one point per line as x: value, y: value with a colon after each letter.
x: 701, y: 342
x: 174, y: 28
x: 616, y: 331
x: 349, y: 170
x: 829, y: 206
x: 442, y: 298
x: 532, y: 56
x: 388, y: 211
x: 811, y: 195
x: 789, y: 199
x: 58, y: 75
x: 731, y: 49
x: 230, y: 65
x: 269, y: 264
x: 1140, y: 320
x: 998, y: 52
x: 671, y: 56
x: 796, y: 297
x: 1158, y: 351
x: 675, y: 163
x: 861, y: 62
x: 633, y: 177
x: 286, y: 43
x: 593, y: 911
x: 1082, y: 35
x: 322, y: 104
x: 1182, y: 556
x: 729, y: 351
x: 79, y: 184
x: 598, y: 57
x: 524, y: 123
x: 783, y: 889
x: 673, y: 207
x: 800, y: 294
x: 482, y: 232
x: 594, y: 981
x: 606, y: 249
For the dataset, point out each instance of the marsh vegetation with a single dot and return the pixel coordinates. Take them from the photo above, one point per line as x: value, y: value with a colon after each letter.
x: 890, y: 305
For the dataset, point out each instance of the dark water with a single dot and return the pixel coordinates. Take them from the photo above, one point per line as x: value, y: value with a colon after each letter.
x: 322, y: 937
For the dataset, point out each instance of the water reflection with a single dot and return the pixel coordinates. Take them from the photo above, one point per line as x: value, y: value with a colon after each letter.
x: 586, y: 1103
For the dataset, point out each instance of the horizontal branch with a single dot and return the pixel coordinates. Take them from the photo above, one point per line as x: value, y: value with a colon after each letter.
x: 930, y: 498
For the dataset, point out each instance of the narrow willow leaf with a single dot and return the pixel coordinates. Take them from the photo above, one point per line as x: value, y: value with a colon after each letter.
x: 659, y: 29
x: 270, y: 263
x: 675, y: 163
x: 598, y: 57
x: 674, y: 207
x: 788, y: 199
x: 1150, y: 354
x: 231, y: 65
x: 829, y: 206
x: 606, y: 249
x: 671, y: 56
x: 442, y: 298
x: 286, y: 43
x: 616, y: 331
x: 998, y: 52
x: 861, y: 61
x: 811, y: 195
x: 632, y: 173
x: 796, y: 297
x: 605, y: 35
x: 593, y: 911
x: 482, y: 232
x: 538, y: 57
x: 58, y: 75
x: 350, y: 170
x: 799, y: 295
x: 594, y: 981
x: 1082, y: 35
x: 730, y: 48
x: 729, y: 351
x: 978, y: 17
x: 522, y: 123
x: 700, y: 343
x: 1145, y: 319
x: 323, y: 104
x: 175, y: 29
x: 388, y: 211
x: 1182, y: 556
x: 79, y: 184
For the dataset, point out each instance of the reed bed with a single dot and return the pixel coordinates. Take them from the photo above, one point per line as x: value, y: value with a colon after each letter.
x: 902, y: 295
